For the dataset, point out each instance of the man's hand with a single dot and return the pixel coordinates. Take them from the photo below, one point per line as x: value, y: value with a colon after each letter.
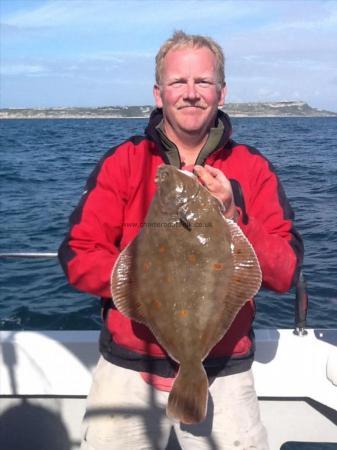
x: 219, y: 186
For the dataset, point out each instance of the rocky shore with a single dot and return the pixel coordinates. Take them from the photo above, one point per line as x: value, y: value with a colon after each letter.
x: 271, y: 109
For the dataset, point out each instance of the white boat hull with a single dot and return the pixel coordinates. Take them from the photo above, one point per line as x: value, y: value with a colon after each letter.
x: 45, y: 377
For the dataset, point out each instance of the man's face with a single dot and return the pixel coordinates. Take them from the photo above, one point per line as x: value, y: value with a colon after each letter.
x: 189, y: 94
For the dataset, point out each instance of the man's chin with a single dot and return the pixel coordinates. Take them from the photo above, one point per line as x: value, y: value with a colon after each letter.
x: 193, y: 126
x: 193, y: 130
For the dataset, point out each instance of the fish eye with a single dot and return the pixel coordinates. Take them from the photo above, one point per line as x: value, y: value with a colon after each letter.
x: 164, y: 176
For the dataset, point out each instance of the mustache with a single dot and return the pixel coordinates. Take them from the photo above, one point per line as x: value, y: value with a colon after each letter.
x: 192, y: 105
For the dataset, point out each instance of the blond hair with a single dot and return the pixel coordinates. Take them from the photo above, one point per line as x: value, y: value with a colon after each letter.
x: 180, y: 40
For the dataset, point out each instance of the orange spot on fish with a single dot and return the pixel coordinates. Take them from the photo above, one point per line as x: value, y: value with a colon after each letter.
x: 218, y: 266
x: 162, y: 249
x: 156, y: 303
x: 183, y: 313
x: 137, y: 307
x: 146, y: 266
x: 192, y: 259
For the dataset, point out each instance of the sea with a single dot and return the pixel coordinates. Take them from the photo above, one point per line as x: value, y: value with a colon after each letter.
x: 44, y: 167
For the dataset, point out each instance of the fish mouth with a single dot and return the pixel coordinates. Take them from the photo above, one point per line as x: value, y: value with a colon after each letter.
x: 165, y: 171
x: 188, y: 173
x: 175, y: 187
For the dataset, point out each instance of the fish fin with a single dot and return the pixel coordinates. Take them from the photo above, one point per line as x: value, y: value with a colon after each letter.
x: 187, y: 401
x: 122, y: 290
x: 247, y: 276
x: 182, y: 213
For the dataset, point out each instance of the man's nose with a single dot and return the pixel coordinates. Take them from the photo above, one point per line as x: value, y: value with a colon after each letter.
x: 191, y: 91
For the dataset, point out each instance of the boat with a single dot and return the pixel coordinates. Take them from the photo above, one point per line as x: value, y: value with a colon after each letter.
x: 45, y: 377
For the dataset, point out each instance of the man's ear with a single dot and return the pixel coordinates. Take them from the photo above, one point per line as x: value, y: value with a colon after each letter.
x: 223, y: 93
x: 157, y: 96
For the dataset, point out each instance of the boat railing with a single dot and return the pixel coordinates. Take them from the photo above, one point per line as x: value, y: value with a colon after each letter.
x: 28, y: 255
x: 301, y: 295
x: 301, y: 306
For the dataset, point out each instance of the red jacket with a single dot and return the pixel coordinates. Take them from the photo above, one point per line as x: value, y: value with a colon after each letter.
x: 113, y: 207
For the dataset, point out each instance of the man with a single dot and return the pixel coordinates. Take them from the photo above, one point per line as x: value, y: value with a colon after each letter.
x: 126, y: 405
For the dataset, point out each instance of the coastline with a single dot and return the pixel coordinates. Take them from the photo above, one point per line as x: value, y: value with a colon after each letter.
x: 232, y: 116
x: 239, y: 110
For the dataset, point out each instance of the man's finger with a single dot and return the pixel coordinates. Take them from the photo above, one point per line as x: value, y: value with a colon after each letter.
x: 204, y: 176
x: 211, y: 177
x: 213, y: 171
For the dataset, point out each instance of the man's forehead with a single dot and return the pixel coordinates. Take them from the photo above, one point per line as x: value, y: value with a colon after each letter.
x: 190, y: 50
x: 177, y: 60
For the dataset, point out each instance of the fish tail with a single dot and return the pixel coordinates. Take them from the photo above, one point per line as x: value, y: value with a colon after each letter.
x: 188, y: 398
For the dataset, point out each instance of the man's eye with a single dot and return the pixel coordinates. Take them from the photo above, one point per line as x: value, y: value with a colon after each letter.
x: 205, y: 83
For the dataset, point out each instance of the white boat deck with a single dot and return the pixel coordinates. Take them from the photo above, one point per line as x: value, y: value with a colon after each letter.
x: 45, y: 377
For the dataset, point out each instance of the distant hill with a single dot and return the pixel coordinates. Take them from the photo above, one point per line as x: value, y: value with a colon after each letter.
x: 271, y: 109
x: 275, y: 109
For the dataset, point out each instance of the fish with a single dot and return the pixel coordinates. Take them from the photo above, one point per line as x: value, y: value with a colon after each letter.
x: 185, y: 276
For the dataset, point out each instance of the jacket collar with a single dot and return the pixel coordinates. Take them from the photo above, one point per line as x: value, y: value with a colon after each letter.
x: 218, y: 138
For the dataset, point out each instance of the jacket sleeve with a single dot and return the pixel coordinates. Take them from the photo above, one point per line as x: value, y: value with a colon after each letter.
x: 270, y: 229
x: 91, y: 247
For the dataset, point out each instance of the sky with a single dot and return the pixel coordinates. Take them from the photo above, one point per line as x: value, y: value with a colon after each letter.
x: 57, y: 53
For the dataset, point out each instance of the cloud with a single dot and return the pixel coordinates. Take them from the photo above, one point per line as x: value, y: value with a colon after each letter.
x: 51, y: 14
x: 274, y: 49
x: 115, y: 56
x: 56, y: 13
x: 98, y: 68
x: 23, y: 69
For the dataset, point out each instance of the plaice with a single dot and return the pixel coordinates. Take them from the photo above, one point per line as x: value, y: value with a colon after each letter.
x: 186, y: 276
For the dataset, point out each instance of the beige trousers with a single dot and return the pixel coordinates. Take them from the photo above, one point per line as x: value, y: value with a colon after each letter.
x: 125, y: 413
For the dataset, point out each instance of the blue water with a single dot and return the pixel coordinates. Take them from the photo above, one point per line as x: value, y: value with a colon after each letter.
x: 44, y: 166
